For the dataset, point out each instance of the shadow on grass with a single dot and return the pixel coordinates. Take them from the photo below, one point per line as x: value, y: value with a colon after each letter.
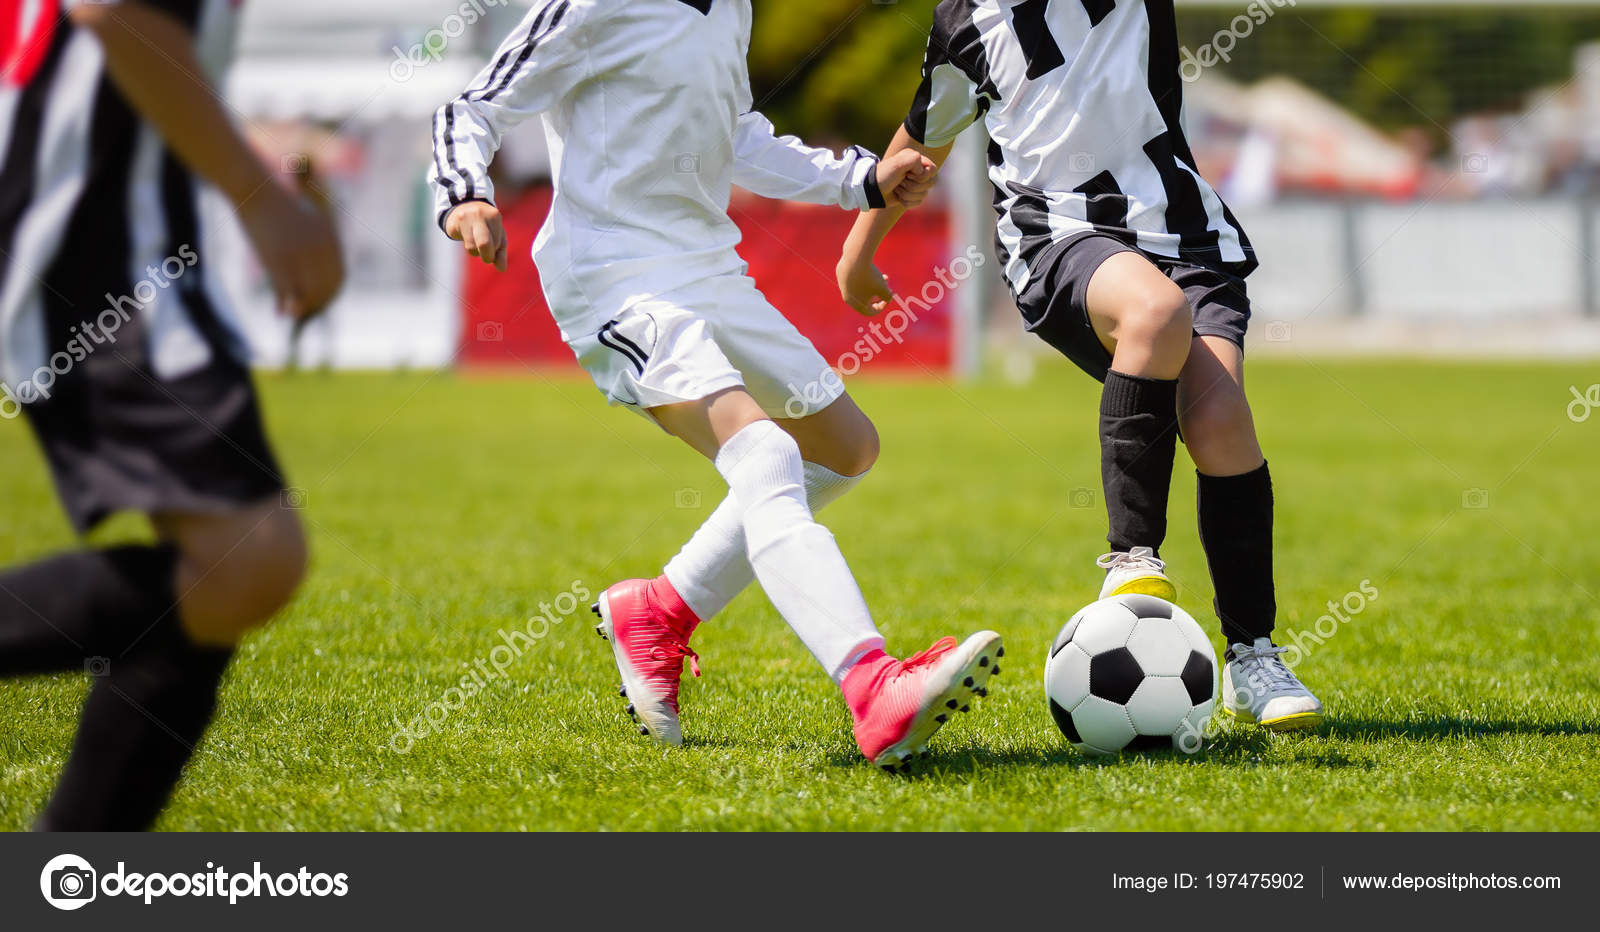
x: 1236, y: 746
x: 1452, y: 726
x: 973, y: 760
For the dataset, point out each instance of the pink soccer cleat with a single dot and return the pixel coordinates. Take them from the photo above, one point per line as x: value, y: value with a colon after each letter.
x: 649, y: 626
x: 898, y: 705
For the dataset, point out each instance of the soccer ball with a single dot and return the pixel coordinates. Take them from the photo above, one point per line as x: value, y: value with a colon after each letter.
x: 1131, y: 671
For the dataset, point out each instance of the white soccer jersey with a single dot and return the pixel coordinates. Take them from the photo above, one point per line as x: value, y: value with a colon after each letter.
x: 647, y: 108
x: 93, y: 205
x: 1083, y: 103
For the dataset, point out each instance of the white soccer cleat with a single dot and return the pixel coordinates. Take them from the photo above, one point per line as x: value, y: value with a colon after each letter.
x: 1259, y: 688
x: 1137, y: 572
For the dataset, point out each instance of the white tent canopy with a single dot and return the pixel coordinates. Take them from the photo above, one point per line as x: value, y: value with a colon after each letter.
x: 342, y: 90
x: 352, y: 27
x: 349, y: 61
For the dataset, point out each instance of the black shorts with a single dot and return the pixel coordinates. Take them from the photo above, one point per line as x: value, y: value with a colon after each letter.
x: 1055, y: 305
x: 119, y: 438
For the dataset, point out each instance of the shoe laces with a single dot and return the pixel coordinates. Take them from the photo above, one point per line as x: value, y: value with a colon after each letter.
x: 1141, y: 558
x: 932, y: 655
x: 679, y: 650
x: 1264, y: 666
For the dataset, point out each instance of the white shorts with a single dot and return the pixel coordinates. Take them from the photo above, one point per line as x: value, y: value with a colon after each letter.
x: 704, y: 338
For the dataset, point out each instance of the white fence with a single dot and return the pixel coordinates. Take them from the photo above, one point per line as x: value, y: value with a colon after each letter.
x: 1475, y: 259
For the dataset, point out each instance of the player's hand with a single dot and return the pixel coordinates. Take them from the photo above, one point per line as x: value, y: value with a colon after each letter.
x: 906, y: 177
x: 863, y: 287
x: 478, y: 226
x: 298, y: 246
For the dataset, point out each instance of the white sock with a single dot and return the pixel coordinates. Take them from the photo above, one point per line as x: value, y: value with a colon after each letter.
x: 795, y: 558
x: 714, y: 567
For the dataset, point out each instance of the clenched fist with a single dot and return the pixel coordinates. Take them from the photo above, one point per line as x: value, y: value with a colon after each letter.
x: 478, y: 226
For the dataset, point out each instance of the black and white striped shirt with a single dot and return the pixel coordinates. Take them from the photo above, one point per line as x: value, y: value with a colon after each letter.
x: 99, y: 221
x: 1083, y: 103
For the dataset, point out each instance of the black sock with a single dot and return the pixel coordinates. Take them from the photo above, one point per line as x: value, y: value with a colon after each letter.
x: 1236, y: 532
x: 140, y: 725
x: 69, y: 611
x: 113, y: 613
x: 1138, y: 440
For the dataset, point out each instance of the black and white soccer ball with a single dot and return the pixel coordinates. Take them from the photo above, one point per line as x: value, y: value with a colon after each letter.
x: 1132, y: 671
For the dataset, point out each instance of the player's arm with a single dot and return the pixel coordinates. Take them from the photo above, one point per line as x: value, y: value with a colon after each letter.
x: 538, y: 64
x: 785, y: 168
x: 861, y: 285
x: 150, y: 56
x: 951, y: 97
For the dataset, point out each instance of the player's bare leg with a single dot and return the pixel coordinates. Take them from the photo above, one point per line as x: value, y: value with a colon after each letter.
x: 840, y: 437
x: 1145, y: 322
x: 1235, y: 514
x: 235, y: 570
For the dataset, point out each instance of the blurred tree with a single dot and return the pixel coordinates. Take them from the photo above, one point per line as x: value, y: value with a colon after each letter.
x: 838, y: 70
x: 845, y: 70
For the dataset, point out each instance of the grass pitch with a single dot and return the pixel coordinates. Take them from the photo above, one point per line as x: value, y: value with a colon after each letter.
x: 445, y: 510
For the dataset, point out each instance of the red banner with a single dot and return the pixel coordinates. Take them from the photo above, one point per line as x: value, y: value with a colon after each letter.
x: 792, y: 250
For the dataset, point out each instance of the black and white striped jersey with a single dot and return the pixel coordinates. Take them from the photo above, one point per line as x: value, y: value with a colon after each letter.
x: 1083, y: 102
x: 99, y: 221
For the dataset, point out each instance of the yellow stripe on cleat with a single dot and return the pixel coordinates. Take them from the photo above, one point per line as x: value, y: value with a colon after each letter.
x: 1297, y: 722
x: 1157, y: 586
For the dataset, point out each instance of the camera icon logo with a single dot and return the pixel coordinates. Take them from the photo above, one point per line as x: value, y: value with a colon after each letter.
x: 686, y: 498
x: 1081, y: 163
x: 1279, y: 331
x: 687, y: 163
x: 67, y: 882
x: 491, y: 331
x: 1475, y: 498
x: 1081, y: 498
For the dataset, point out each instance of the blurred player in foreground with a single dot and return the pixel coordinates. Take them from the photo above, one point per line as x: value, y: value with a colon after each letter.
x: 1125, y: 260
x: 647, y: 107
x: 116, y: 346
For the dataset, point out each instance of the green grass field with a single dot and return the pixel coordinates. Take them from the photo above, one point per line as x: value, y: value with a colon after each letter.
x: 444, y: 509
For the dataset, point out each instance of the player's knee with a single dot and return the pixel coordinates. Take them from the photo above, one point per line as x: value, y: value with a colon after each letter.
x: 284, y: 560
x: 845, y: 440
x: 236, y: 592
x: 863, y: 453
x: 1159, y: 322
x: 1159, y: 317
